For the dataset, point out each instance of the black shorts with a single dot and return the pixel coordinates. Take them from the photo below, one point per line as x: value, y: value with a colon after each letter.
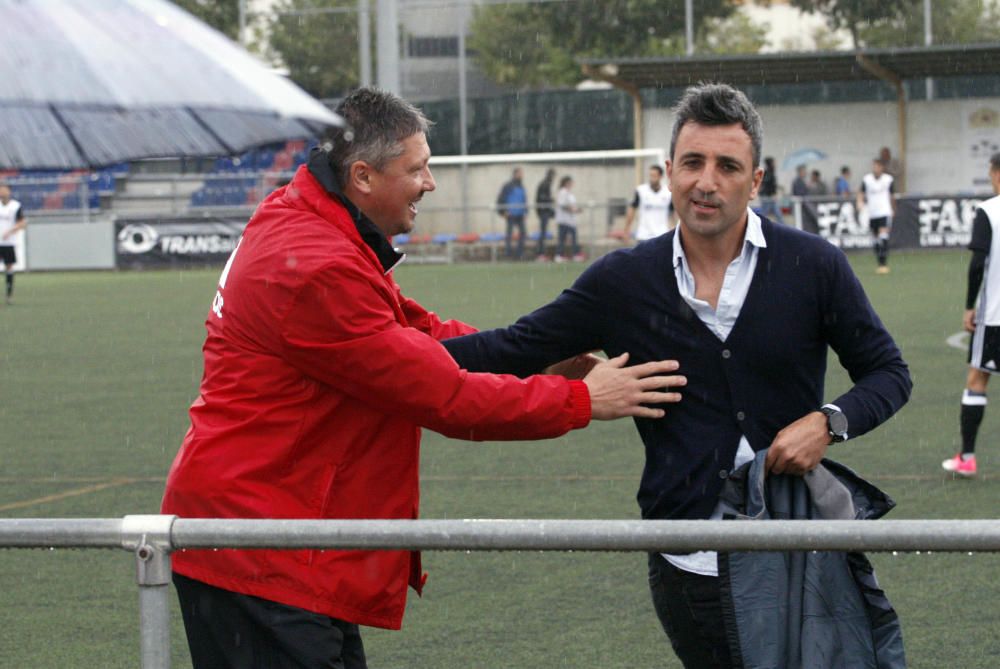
x: 984, y: 349
x: 8, y: 255
x: 227, y: 629
x: 877, y: 224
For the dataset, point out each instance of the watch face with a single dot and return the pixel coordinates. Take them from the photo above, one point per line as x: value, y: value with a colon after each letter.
x: 837, y: 422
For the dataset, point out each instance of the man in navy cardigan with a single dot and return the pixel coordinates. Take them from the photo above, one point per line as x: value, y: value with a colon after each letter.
x: 748, y: 308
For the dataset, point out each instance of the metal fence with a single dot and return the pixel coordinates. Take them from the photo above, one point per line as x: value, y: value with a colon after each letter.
x: 152, y: 538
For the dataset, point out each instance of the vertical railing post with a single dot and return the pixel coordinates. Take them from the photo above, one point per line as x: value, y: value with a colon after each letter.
x: 148, y: 537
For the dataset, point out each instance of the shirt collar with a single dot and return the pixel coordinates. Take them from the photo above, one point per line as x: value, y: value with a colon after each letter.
x: 754, y: 236
x: 322, y: 171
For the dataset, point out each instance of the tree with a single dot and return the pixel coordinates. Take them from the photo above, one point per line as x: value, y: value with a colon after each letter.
x: 855, y: 14
x: 223, y: 15
x: 320, y: 50
x: 736, y: 33
x: 536, y: 44
x: 952, y: 22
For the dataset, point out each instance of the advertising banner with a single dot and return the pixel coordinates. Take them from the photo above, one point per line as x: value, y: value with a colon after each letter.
x: 937, y: 221
x: 170, y: 242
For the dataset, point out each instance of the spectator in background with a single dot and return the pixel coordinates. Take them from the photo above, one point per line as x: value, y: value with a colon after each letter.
x: 984, y: 349
x: 799, y: 186
x: 842, y: 186
x: 816, y: 184
x: 892, y: 166
x: 566, y: 211
x: 652, y: 203
x: 768, y: 191
x: 544, y: 209
x: 12, y: 221
x: 319, y: 374
x: 512, y: 203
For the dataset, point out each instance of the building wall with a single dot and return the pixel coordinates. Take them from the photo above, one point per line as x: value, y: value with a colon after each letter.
x: 949, y: 141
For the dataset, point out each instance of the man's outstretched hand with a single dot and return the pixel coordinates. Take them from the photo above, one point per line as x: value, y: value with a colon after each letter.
x: 617, y: 391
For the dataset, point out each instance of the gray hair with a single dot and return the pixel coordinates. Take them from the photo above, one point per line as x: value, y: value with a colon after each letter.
x: 718, y: 104
x: 377, y: 124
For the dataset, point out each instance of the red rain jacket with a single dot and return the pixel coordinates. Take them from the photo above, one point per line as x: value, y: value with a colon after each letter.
x: 318, y: 376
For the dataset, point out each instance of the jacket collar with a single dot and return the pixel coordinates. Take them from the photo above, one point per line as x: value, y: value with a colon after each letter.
x: 319, y: 167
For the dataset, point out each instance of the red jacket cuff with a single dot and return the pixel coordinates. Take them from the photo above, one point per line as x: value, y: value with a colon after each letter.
x: 579, y: 397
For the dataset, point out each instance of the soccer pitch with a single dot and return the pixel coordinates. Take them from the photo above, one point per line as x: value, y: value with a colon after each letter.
x: 97, y: 371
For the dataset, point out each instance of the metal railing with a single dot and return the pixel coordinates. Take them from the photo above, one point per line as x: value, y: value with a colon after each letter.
x: 152, y: 538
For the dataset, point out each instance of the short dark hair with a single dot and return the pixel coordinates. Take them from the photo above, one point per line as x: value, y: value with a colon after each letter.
x: 377, y: 124
x: 995, y: 161
x: 657, y: 168
x: 718, y: 104
x: 565, y: 180
x: 845, y: 169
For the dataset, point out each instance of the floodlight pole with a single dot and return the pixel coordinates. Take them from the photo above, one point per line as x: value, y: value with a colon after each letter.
x: 689, y: 26
x: 463, y: 119
x: 364, y: 43
x: 928, y: 40
x: 387, y: 45
x: 241, y: 36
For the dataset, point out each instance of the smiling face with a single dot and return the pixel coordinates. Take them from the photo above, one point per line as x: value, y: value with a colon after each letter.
x: 390, y: 195
x: 712, y: 177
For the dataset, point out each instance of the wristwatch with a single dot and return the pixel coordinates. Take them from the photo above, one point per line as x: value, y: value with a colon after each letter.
x: 836, y: 423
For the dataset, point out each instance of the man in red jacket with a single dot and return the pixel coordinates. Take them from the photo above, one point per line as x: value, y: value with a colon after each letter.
x: 318, y: 376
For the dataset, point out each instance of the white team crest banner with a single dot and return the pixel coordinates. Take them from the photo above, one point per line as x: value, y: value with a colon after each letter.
x: 980, y: 140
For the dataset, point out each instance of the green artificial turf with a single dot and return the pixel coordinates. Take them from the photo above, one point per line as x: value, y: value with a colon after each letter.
x: 97, y: 371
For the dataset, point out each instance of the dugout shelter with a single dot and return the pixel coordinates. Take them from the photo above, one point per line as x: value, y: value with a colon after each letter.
x: 894, y: 66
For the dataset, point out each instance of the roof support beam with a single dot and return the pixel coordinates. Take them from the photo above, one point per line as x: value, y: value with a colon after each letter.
x: 896, y: 82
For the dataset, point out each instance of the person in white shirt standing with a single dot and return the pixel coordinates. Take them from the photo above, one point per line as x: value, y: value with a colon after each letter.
x: 652, y: 203
x: 983, y: 323
x: 12, y: 221
x: 878, y: 194
x: 566, y: 211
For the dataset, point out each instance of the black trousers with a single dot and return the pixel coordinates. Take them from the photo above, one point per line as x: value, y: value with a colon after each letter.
x: 228, y: 630
x: 689, y: 607
x: 515, y: 222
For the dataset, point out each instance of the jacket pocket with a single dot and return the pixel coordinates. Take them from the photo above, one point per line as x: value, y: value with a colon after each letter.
x: 322, y: 501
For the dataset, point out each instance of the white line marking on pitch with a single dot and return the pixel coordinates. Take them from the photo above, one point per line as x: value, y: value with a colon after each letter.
x: 959, y: 340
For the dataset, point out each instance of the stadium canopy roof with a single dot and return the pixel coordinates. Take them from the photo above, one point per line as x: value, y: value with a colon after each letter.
x: 800, y: 67
x: 890, y: 65
x: 88, y: 84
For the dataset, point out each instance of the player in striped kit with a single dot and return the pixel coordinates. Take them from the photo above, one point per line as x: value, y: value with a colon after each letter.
x: 12, y: 221
x: 877, y: 193
x: 983, y: 323
x: 652, y: 204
